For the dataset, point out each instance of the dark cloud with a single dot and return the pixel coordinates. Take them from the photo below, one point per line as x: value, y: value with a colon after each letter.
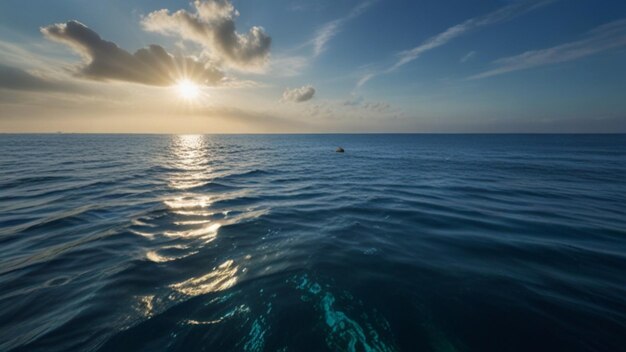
x: 299, y: 95
x: 212, y: 25
x: 358, y: 101
x: 377, y: 106
x: 354, y: 100
x: 152, y: 65
x: 15, y: 78
x: 18, y: 79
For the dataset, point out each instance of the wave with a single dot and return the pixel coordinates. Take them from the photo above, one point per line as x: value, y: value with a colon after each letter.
x: 230, y: 243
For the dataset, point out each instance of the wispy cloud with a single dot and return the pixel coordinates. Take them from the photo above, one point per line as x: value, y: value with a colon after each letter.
x: 35, y: 55
x: 330, y: 29
x: 467, y: 57
x: 605, y: 37
x: 308, y: 6
x: 365, y: 78
x: 287, y: 66
x: 503, y: 14
x: 293, y: 65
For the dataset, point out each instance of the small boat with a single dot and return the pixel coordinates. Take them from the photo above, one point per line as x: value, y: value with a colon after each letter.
x: 340, y: 150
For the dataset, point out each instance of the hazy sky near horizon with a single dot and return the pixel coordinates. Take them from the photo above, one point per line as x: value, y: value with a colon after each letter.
x: 242, y: 66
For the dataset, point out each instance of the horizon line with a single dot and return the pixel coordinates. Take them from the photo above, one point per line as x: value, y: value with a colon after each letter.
x: 315, y: 133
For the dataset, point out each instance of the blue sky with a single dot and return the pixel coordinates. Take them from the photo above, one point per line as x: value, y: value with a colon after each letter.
x: 321, y: 66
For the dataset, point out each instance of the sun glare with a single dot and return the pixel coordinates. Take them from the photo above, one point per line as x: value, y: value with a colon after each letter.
x: 187, y: 89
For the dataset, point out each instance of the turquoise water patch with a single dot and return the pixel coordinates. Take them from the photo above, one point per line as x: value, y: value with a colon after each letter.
x: 256, y: 337
x: 343, y: 332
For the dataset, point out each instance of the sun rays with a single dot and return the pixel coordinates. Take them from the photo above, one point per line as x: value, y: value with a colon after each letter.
x: 187, y: 89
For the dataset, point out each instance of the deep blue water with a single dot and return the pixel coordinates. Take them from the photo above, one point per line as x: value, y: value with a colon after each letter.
x: 277, y: 243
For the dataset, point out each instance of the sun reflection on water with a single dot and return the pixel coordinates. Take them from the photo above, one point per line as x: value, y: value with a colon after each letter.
x: 207, y: 233
x: 146, y: 305
x: 220, y: 278
x: 156, y: 257
x: 201, y: 198
x: 190, y: 157
x: 191, y: 218
x: 188, y: 202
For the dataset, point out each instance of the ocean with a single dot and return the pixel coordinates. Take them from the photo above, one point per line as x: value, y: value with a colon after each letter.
x: 409, y: 242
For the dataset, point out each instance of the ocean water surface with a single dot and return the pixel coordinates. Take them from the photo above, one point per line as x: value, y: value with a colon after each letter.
x: 277, y: 243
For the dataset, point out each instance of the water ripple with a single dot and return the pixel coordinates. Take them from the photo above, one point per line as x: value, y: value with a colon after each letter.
x: 276, y: 243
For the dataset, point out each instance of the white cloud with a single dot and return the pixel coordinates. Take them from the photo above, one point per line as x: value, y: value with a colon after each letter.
x: 287, y: 66
x: 299, y: 95
x: 212, y: 25
x: 605, y: 37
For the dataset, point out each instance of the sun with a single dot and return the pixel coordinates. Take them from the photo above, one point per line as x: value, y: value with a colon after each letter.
x: 187, y: 89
